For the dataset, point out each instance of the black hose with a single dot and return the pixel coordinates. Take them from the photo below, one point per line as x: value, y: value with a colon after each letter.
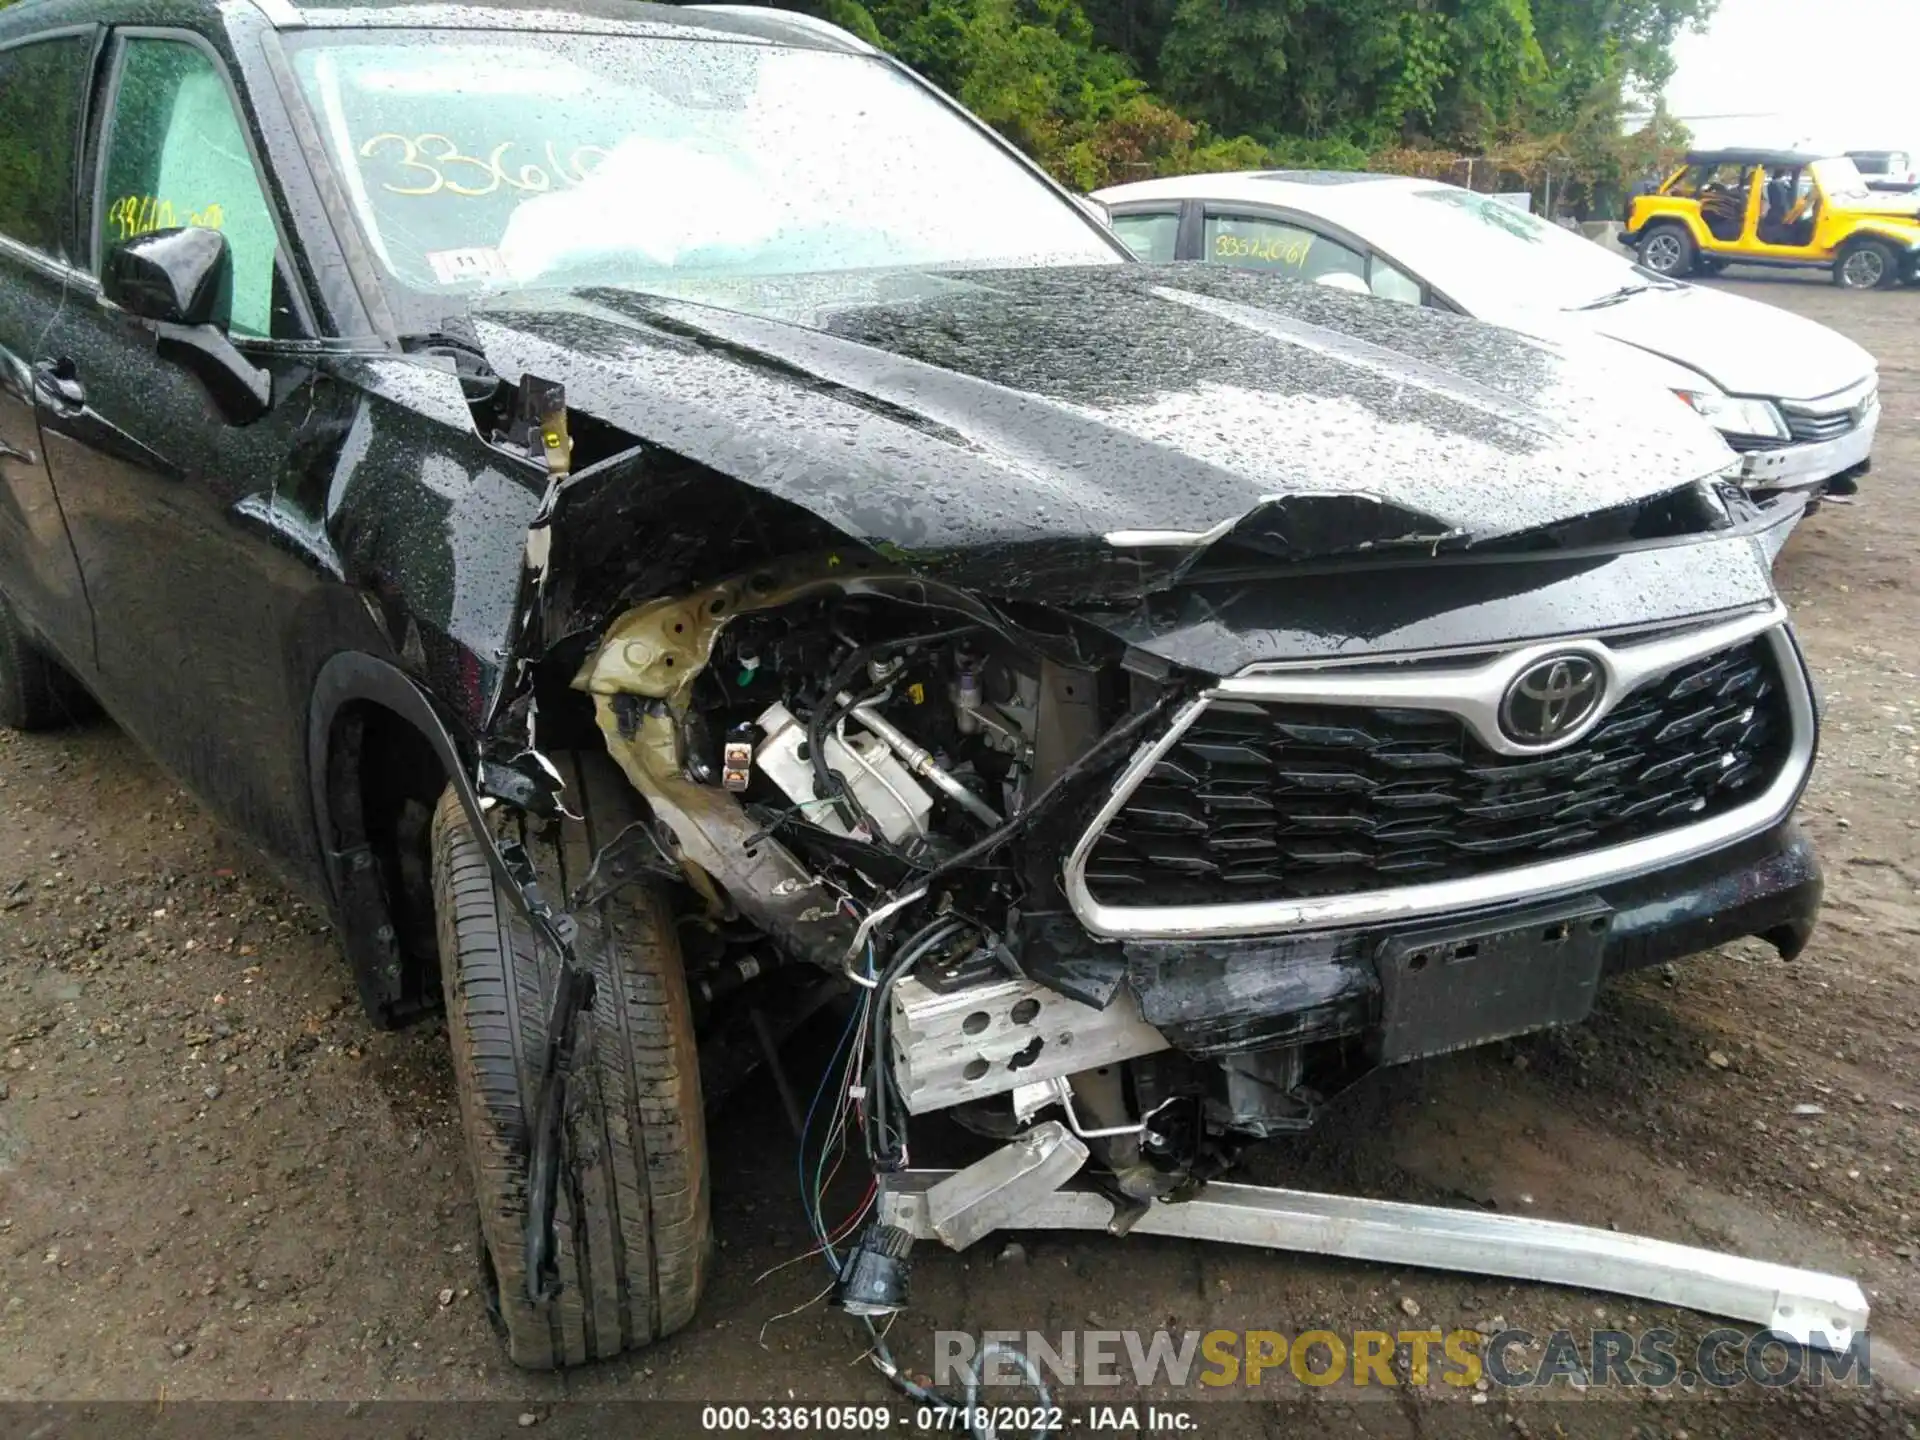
x: 880, y: 1154
x: 1095, y: 754
x: 979, y: 1427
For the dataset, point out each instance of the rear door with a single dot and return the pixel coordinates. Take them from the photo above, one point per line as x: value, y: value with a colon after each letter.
x: 43, y: 84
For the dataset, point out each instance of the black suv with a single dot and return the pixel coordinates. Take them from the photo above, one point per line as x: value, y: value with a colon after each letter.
x: 666, y: 522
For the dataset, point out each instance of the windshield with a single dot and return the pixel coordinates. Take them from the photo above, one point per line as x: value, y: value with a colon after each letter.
x: 1490, y: 256
x: 490, y: 160
x: 1881, y: 162
x: 1840, y: 179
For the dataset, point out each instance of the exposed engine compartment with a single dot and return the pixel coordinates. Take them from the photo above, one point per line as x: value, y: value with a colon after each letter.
x: 915, y: 744
x: 873, y: 739
x: 895, y: 765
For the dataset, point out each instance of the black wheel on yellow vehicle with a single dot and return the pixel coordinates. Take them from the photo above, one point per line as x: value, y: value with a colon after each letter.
x: 1668, y: 250
x: 1867, y: 265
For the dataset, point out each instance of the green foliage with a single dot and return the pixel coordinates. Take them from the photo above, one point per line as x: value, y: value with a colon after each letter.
x: 1107, y: 90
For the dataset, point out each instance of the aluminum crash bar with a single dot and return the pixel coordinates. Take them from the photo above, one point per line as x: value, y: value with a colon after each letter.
x: 1821, y: 1311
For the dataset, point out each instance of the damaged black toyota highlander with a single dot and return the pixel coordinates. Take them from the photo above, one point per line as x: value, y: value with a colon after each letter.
x: 665, y: 524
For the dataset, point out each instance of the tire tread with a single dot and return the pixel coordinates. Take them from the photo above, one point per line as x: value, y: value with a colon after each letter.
x: 632, y: 1223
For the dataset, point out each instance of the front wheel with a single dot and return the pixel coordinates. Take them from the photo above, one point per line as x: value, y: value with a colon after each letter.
x: 632, y: 1217
x: 1667, y: 250
x: 1867, y: 265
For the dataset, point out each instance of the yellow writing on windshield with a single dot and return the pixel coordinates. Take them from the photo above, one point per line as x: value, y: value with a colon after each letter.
x: 1275, y: 249
x: 133, y: 215
x: 434, y: 164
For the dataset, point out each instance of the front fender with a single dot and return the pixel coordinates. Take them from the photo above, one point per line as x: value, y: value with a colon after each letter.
x: 1901, y: 237
x: 1649, y: 213
x: 362, y: 909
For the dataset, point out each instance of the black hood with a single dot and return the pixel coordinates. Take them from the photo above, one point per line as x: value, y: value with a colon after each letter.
x: 1029, y: 431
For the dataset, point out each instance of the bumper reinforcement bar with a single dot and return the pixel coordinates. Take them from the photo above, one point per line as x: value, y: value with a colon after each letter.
x: 1812, y: 1309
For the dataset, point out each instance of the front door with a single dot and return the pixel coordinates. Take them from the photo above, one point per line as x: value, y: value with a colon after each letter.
x: 191, y: 602
x: 42, y: 83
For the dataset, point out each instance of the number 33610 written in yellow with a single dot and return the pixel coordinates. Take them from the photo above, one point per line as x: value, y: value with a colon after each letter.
x: 434, y: 165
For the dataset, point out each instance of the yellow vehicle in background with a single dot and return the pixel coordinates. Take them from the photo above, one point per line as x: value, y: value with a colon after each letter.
x: 1775, y: 207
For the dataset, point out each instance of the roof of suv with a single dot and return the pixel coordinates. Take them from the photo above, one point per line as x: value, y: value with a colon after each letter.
x: 1752, y: 157
x: 730, y: 22
x: 1333, y: 194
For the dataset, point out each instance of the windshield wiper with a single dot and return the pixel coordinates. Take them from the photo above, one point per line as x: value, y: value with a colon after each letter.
x: 1614, y: 297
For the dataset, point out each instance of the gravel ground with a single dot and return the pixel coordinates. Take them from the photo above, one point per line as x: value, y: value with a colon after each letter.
x: 216, y: 1181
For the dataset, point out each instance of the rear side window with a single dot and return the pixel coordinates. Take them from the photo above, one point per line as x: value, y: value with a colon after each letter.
x: 1255, y: 244
x: 1150, y: 236
x: 40, y: 88
x: 176, y: 155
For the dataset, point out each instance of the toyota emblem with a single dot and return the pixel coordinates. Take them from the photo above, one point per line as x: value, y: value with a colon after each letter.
x: 1551, y: 700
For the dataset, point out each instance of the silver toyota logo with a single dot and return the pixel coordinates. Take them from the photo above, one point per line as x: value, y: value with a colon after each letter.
x: 1551, y: 699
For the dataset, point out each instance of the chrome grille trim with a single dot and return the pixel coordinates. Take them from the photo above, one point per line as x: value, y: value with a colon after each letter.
x: 1472, y: 693
x: 1850, y: 398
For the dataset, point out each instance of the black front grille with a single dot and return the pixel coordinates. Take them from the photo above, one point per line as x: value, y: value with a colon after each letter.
x: 1808, y: 428
x: 1276, y: 800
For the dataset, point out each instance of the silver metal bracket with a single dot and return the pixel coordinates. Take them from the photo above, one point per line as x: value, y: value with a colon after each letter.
x: 1821, y: 1311
x: 995, y: 1193
x: 950, y: 1048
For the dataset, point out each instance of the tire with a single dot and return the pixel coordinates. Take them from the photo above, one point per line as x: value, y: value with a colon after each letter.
x: 632, y: 1217
x: 35, y: 693
x: 1668, y: 250
x: 1867, y: 265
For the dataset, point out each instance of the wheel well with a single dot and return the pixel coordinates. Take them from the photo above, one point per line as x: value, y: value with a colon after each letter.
x: 383, y: 778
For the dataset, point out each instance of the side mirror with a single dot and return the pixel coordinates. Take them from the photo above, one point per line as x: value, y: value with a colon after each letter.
x: 180, y: 277
x: 181, y: 283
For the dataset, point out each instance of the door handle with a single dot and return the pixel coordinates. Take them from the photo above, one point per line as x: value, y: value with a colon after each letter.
x: 56, y: 386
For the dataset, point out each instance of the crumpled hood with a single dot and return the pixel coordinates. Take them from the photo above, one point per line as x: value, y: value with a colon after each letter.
x: 994, y: 428
x: 1746, y: 347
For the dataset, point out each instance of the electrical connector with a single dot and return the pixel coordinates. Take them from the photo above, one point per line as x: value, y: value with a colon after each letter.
x: 873, y: 1281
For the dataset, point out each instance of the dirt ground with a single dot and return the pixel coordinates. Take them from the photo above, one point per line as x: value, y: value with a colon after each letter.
x: 218, y: 1182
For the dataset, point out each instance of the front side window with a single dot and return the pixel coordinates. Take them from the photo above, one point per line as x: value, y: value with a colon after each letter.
x: 41, y: 84
x: 176, y: 155
x: 1256, y: 244
x: 485, y: 159
x: 1152, y: 236
x: 1701, y: 180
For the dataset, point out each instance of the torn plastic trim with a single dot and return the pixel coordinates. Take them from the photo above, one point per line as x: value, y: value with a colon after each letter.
x: 1312, y: 533
x: 1304, y: 526
x: 573, y: 993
